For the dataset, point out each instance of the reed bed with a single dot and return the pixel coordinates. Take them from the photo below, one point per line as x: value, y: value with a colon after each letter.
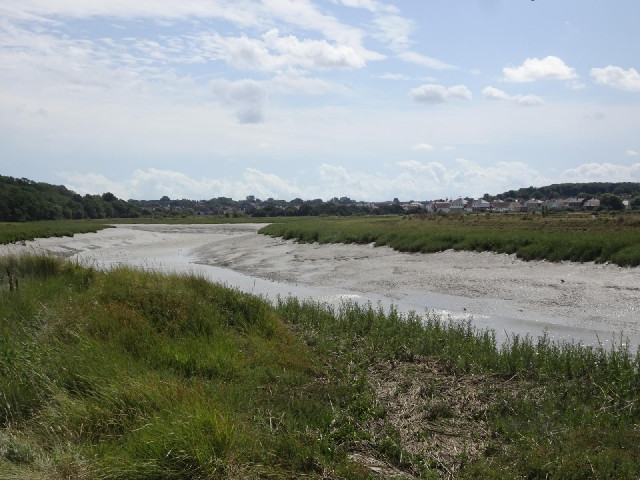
x: 578, y: 238
x: 11, y: 232
x: 133, y: 374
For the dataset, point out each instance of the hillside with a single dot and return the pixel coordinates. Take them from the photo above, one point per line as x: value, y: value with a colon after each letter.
x: 24, y: 200
x: 564, y: 190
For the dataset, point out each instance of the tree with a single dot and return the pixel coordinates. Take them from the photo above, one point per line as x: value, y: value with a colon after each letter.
x: 611, y: 202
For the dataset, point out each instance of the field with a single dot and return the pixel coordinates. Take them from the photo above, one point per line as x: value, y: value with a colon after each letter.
x: 11, y: 232
x: 131, y: 374
x: 573, y: 237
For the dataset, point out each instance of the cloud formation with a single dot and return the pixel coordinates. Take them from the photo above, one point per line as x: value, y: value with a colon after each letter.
x: 617, y: 77
x: 491, y: 93
x: 431, y: 94
x: 424, y: 147
x: 533, y: 69
x: 247, y: 98
x: 425, y: 61
x: 412, y: 180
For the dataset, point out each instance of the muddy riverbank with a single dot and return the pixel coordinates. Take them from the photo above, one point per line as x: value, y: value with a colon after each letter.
x: 581, y: 302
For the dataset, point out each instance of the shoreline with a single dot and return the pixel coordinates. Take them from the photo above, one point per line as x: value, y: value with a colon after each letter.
x: 498, y: 291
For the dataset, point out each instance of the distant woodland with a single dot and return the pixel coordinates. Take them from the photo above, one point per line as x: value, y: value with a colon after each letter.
x: 23, y: 200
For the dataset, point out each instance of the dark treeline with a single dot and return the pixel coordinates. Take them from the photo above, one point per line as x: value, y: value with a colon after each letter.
x: 23, y: 200
x: 577, y: 190
x: 270, y: 207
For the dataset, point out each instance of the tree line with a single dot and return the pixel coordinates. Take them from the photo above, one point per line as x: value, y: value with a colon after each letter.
x: 23, y: 200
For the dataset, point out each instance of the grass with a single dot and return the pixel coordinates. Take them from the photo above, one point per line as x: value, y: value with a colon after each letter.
x: 11, y: 232
x: 574, y: 237
x: 133, y: 374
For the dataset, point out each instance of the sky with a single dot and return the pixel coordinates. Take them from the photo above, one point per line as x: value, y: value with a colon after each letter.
x: 370, y: 99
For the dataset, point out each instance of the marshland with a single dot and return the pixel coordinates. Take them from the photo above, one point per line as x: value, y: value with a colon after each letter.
x: 117, y: 365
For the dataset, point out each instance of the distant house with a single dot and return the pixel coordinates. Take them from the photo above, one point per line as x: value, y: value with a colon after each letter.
x: 412, y: 206
x: 443, y: 207
x: 550, y: 205
x: 574, y: 202
x: 480, y: 205
x: 458, y: 206
x: 591, y: 204
x: 500, y: 206
x: 516, y: 206
x: 532, y: 205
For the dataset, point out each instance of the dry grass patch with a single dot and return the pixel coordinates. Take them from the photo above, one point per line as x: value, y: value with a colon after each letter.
x: 439, y: 417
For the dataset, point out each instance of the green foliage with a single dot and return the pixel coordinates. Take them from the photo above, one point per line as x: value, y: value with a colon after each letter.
x: 24, y: 200
x: 579, y: 190
x: 136, y: 375
x: 130, y: 374
x: 22, y: 231
x: 571, y: 237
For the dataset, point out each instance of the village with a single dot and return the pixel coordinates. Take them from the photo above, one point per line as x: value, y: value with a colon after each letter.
x: 481, y: 205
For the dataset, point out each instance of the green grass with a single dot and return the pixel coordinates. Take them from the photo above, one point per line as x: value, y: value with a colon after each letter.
x: 132, y: 374
x: 11, y: 232
x: 573, y: 237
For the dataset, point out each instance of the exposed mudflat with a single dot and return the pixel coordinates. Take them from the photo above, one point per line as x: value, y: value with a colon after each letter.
x: 581, y: 302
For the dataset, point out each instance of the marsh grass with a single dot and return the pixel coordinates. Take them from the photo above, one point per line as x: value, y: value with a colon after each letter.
x: 11, y: 232
x: 132, y: 374
x: 579, y: 238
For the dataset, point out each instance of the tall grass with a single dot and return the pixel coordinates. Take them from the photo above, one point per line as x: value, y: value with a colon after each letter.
x: 131, y: 374
x: 11, y: 232
x: 530, y: 237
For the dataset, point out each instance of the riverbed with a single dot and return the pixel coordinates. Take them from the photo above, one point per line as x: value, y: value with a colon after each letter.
x: 580, y: 302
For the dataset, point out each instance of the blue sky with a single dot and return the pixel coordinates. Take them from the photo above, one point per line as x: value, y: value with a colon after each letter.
x: 415, y: 99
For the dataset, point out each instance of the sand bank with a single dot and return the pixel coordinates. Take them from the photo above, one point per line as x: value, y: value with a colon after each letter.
x: 573, y: 301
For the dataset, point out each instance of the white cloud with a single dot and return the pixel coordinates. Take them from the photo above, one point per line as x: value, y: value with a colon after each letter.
x: 632, y: 153
x: 424, y: 61
x: 371, y: 5
x: 288, y: 84
x: 491, y: 93
x: 394, y: 30
x: 602, y: 172
x: 549, y: 68
x: 153, y: 183
x: 424, y: 147
x: 411, y: 180
x: 393, y: 76
x: 617, y: 77
x: 276, y: 54
x: 433, y: 94
x: 247, y: 97
x: 576, y: 85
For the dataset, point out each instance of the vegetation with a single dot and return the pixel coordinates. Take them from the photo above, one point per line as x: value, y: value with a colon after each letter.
x: 575, y: 190
x: 24, y: 200
x: 575, y: 237
x: 130, y: 374
x: 22, y: 231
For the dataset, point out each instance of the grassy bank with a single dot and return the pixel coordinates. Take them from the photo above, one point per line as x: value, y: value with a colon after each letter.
x: 578, y: 238
x: 11, y: 232
x: 130, y: 374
